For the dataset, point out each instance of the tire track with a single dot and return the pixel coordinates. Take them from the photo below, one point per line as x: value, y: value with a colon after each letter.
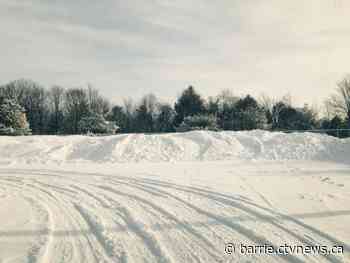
x: 196, y: 190
x: 190, y: 230
x: 273, y: 221
x: 67, y: 248
x: 105, y: 203
x: 157, y: 250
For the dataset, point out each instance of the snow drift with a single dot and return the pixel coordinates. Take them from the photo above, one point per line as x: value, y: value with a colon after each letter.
x: 191, y: 146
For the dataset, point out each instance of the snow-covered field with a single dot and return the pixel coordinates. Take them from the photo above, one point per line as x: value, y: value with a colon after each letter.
x: 174, y: 197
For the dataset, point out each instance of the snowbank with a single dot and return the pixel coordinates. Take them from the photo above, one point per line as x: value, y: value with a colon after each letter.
x: 191, y: 146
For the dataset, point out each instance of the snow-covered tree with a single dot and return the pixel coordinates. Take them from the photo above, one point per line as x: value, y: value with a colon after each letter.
x: 33, y: 98
x: 96, y: 123
x: 13, y: 119
x: 198, y: 122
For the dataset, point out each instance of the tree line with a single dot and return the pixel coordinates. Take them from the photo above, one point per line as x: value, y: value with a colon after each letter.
x: 26, y: 107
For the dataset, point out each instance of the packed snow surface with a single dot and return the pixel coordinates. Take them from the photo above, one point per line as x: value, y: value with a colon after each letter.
x: 174, y: 197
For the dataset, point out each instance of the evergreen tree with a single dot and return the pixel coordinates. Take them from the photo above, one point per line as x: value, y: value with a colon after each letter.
x: 119, y: 116
x: 55, y: 123
x: 96, y: 123
x: 146, y: 114
x: 188, y: 104
x: 13, y: 119
x: 36, y: 106
x: 290, y: 118
x: 334, y: 126
x: 248, y: 115
x: 33, y: 98
x: 213, y: 106
x: 226, y: 117
x: 143, y: 119
x: 165, y: 119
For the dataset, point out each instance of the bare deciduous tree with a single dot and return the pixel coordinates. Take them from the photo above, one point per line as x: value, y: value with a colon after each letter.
x: 76, y: 107
x: 129, y: 108
x: 226, y: 97
x: 56, y: 98
x: 97, y: 103
x: 267, y: 103
x: 150, y: 101
x: 339, y: 103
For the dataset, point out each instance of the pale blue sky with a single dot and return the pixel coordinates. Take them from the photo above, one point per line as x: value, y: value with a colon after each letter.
x: 132, y: 47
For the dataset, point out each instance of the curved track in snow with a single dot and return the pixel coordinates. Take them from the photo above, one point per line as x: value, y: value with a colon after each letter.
x: 95, y: 217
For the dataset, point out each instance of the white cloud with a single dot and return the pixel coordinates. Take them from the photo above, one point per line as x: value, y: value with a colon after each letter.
x: 128, y: 47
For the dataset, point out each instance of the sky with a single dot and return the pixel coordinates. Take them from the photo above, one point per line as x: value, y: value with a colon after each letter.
x: 128, y: 48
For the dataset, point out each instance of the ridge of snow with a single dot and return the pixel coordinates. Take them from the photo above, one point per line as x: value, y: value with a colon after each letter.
x: 190, y: 146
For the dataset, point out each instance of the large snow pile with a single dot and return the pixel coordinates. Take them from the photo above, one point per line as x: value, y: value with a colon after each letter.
x: 191, y: 146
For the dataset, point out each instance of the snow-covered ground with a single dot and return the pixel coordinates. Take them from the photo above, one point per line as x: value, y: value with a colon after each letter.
x: 173, y: 197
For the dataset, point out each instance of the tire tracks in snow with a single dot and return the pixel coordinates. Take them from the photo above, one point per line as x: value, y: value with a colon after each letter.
x: 271, y: 220
x: 234, y: 226
x: 169, y: 216
x: 67, y: 203
x: 60, y: 248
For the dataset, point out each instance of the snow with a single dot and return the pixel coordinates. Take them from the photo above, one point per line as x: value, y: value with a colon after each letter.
x: 172, y: 197
x: 191, y: 146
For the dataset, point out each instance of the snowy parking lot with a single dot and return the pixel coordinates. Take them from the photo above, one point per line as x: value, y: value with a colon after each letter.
x: 173, y: 197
